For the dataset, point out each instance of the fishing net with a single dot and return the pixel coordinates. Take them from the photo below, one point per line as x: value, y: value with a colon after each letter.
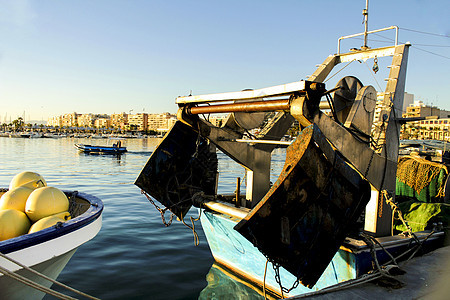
x: 421, y: 216
x: 420, y: 179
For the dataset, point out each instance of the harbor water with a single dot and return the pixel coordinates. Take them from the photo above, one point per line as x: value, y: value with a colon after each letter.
x: 134, y: 256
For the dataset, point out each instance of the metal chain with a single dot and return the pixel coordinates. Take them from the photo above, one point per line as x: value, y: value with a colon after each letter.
x: 161, y: 211
x: 276, y: 268
x: 373, y: 151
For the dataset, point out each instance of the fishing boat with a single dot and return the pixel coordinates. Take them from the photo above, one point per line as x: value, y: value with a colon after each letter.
x: 46, y: 252
x: 116, y: 148
x: 327, y: 222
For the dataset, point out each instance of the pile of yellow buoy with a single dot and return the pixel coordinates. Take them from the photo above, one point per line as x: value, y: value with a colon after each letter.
x: 30, y: 205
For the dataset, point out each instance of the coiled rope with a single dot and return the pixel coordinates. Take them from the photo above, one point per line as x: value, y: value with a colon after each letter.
x: 38, y: 286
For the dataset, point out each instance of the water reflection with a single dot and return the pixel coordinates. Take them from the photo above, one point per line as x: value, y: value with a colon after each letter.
x: 224, y: 284
x: 134, y: 256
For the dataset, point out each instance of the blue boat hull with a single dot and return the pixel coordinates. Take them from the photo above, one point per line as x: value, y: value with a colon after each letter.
x: 100, y: 149
x: 232, y: 250
x: 354, y: 259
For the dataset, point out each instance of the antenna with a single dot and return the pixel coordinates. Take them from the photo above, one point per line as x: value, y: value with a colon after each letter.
x: 366, y: 24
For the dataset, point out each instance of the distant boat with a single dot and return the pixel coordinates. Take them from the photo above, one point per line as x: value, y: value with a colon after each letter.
x: 47, y: 251
x: 25, y: 135
x: 54, y: 135
x: 114, y: 149
x: 19, y: 135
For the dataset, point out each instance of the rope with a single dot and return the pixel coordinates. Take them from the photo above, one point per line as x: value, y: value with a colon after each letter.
x: 331, y: 104
x: 382, y: 247
x: 420, y: 245
x: 36, y: 285
x: 196, y: 238
x: 33, y: 284
x: 343, y: 285
x: 396, y: 209
x: 379, y: 273
x: 264, y: 281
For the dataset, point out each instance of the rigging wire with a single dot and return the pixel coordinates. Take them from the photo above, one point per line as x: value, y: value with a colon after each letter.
x: 415, y: 47
x: 36, y: 285
x: 384, y: 41
x: 339, y: 70
x: 423, y: 32
x: 371, y: 73
x: 446, y: 57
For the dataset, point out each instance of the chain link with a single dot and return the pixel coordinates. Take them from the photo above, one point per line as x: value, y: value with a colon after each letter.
x: 373, y: 151
x: 276, y: 268
x: 161, y: 211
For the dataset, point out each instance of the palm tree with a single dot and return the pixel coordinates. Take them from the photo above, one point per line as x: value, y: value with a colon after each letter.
x: 18, y: 124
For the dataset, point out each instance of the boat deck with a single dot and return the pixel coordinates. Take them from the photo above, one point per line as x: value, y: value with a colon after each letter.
x: 426, y: 277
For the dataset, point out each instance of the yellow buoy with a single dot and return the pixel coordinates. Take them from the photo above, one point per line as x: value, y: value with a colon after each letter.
x: 13, y: 223
x: 34, y: 184
x: 44, y: 202
x: 64, y: 215
x: 26, y: 177
x: 45, y: 223
x: 15, y: 198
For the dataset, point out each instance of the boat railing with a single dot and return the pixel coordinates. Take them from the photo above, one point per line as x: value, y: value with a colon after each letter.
x: 365, y: 33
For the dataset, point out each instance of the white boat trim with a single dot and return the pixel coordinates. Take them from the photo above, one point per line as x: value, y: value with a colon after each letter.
x: 52, y: 248
x: 56, y: 240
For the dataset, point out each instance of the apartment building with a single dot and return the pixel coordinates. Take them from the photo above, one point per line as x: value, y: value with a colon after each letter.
x: 86, y: 120
x: 54, y: 121
x: 102, y: 123
x: 138, y: 121
x: 435, y: 127
x: 119, y: 120
x: 161, y: 122
x: 69, y: 120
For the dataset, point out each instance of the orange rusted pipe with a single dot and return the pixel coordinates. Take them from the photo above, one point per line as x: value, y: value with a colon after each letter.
x: 269, y: 105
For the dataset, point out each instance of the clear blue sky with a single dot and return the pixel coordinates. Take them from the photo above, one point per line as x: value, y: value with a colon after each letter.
x: 116, y: 56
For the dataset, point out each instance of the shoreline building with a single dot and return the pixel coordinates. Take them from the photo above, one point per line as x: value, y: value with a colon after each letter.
x: 161, y: 123
x: 54, y: 121
x: 119, y: 121
x: 102, y: 121
x: 86, y: 120
x: 435, y: 126
x: 138, y: 122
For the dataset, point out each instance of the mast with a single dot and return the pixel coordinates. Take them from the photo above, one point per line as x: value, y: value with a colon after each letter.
x: 366, y: 24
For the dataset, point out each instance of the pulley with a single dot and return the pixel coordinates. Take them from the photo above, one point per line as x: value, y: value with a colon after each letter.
x: 344, y: 97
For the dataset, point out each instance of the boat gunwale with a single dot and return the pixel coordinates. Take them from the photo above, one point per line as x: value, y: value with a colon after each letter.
x: 30, y: 239
x: 350, y: 244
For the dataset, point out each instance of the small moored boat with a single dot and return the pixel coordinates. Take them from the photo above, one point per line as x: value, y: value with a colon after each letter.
x: 47, y: 251
x: 116, y: 148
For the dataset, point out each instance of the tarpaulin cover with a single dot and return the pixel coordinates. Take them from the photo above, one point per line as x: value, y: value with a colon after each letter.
x: 421, y: 216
